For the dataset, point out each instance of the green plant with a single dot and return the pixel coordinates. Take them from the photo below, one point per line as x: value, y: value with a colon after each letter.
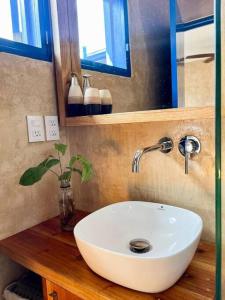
x: 34, y: 174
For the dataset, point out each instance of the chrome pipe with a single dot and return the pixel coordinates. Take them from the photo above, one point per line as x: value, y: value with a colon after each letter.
x: 165, y: 145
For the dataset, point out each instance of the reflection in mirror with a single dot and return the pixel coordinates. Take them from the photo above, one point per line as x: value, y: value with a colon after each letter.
x: 19, y: 22
x: 194, y: 53
x: 103, y: 36
x: 168, y: 44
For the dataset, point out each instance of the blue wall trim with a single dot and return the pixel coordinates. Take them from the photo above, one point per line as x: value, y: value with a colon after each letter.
x: 24, y: 50
x: 195, y: 24
x: 173, y: 46
x: 43, y: 53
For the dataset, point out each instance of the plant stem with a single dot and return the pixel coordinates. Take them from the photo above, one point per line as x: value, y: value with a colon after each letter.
x: 54, y: 173
x: 60, y: 163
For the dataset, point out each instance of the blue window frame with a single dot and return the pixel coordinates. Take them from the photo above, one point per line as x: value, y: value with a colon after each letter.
x: 195, y: 24
x: 173, y: 52
x: 27, y: 28
x: 104, y: 36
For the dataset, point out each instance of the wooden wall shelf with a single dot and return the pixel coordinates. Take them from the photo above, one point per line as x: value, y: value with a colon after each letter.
x: 144, y: 116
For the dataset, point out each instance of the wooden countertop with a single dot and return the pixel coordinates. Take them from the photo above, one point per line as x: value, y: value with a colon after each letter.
x: 53, y: 254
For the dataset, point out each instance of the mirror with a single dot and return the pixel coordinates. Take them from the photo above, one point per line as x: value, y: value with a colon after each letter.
x: 108, y: 21
x: 19, y: 22
x: 148, y: 85
x: 195, y: 52
x: 168, y: 44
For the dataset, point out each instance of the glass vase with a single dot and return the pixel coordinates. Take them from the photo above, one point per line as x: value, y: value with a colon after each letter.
x: 66, y: 207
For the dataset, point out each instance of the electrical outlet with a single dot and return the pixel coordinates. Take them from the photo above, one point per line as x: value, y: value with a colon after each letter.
x: 52, y: 128
x: 35, y: 126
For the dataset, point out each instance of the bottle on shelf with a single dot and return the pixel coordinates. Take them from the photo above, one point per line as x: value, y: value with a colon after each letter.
x: 106, y: 101
x: 92, y: 100
x: 86, y: 82
x: 75, y: 106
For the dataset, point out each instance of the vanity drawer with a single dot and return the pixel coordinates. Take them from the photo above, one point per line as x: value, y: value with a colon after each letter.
x: 52, y: 291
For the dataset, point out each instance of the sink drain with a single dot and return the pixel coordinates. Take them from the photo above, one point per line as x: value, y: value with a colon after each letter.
x: 140, y: 246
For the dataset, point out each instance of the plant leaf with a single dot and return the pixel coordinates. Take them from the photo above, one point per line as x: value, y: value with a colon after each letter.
x: 73, y: 160
x: 65, y: 176
x: 61, y: 148
x: 42, y: 164
x: 32, y: 175
x: 77, y: 170
x: 51, y: 162
x: 86, y: 172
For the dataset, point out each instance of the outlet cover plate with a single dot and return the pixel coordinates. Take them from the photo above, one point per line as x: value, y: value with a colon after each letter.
x: 52, y: 128
x: 35, y: 126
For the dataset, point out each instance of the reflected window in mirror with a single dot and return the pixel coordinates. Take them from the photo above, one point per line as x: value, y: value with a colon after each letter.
x: 192, y: 52
x: 25, y: 29
x: 104, y: 36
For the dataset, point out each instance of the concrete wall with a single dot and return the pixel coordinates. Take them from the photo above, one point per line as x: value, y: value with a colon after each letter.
x: 26, y: 88
x: 161, y: 179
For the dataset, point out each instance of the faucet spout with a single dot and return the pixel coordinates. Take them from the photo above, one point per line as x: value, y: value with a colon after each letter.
x: 165, y: 145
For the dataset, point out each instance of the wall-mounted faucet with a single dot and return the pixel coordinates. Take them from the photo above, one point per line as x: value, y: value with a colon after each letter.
x: 165, y: 145
x: 189, y: 146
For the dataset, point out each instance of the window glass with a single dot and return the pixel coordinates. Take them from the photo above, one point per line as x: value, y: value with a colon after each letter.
x: 19, y: 21
x: 103, y: 35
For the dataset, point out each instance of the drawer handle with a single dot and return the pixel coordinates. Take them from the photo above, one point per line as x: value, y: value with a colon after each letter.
x: 54, y: 295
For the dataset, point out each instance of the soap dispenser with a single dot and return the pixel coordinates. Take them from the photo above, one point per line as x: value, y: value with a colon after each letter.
x: 106, y: 101
x: 75, y: 98
x: 92, y: 100
x: 86, y: 82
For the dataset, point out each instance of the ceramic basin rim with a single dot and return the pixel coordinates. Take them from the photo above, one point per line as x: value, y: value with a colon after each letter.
x: 135, y: 256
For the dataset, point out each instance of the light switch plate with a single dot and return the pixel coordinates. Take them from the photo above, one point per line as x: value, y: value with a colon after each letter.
x: 52, y: 128
x: 35, y: 126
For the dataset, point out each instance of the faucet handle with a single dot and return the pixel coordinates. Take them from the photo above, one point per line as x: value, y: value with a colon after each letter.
x: 166, y: 144
x: 188, y: 147
x: 187, y: 157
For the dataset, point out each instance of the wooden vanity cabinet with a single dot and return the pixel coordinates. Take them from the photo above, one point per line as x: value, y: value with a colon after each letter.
x: 52, y: 291
x: 53, y: 255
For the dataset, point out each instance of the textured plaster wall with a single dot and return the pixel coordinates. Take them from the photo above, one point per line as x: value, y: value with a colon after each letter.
x: 26, y: 88
x: 192, y: 9
x: 161, y: 178
x: 199, y: 84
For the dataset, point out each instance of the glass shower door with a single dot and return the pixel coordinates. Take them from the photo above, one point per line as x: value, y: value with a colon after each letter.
x: 220, y: 149
x: 221, y: 111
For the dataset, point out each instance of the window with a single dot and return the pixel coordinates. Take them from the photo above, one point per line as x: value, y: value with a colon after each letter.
x: 104, y: 36
x: 24, y: 28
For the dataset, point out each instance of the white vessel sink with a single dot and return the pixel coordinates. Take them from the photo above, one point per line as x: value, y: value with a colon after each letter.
x: 104, y: 236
